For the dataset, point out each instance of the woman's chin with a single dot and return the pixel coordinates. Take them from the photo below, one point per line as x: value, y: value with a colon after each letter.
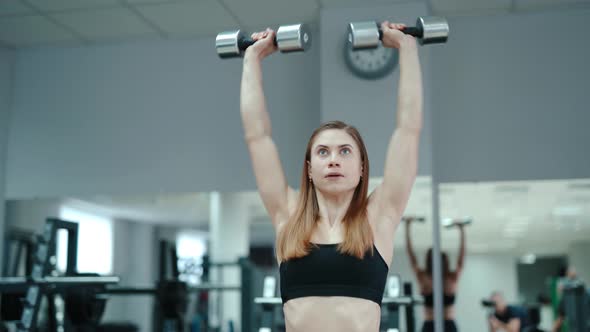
x: 336, y: 189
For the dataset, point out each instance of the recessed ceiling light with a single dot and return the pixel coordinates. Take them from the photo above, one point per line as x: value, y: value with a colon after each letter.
x: 528, y: 259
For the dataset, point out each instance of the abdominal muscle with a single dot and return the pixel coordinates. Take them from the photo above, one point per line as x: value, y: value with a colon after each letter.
x: 332, y: 313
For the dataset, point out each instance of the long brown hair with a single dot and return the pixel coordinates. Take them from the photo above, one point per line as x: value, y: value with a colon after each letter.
x: 294, y: 238
x: 444, y: 260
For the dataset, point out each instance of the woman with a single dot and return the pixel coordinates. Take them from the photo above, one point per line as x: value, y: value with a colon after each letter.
x: 450, y: 281
x: 334, y: 242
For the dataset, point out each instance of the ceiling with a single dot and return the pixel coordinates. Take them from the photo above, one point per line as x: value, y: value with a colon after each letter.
x: 540, y: 217
x: 27, y: 23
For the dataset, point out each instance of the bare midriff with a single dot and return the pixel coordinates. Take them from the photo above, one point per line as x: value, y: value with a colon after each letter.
x: 331, y: 313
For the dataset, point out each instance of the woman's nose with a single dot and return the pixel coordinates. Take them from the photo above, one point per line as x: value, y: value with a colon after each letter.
x: 334, y: 161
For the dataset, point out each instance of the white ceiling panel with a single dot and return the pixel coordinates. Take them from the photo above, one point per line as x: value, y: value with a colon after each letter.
x: 202, y: 18
x: 105, y: 23
x: 258, y: 14
x: 13, y: 7
x: 525, y: 216
x: 28, y: 30
x: 57, y: 5
x: 470, y: 6
x: 187, y: 208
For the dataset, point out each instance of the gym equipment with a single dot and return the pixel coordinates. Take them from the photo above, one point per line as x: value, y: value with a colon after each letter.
x: 58, y: 284
x: 268, y: 301
x: 394, y: 301
x: 428, y: 30
x: 576, y: 302
x: 85, y: 295
x: 19, y: 248
x: 40, y: 282
x: 456, y: 222
x: 82, y: 304
x: 172, y: 294
x: 18, y: 260
x: 289, y: 38
x: 42, y: 266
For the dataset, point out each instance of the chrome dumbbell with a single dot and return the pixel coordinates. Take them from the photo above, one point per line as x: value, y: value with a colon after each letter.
x: 289, y: 38
x: 428, y: 30
x: 456, y: 222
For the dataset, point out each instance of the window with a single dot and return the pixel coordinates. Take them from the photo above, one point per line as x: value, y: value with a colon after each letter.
x: 95, y: 242
x: 190, y: 247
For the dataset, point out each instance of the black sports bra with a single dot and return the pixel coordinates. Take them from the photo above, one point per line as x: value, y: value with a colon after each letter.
x: 327, y: 272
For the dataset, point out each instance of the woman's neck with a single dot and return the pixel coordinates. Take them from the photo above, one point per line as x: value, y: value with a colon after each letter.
x: 333, y: 207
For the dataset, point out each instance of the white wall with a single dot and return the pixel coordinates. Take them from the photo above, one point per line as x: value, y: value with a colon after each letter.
x: 512, y: 102
x: 482, y: 275
x: 148, y: 118
x: 142, y: 117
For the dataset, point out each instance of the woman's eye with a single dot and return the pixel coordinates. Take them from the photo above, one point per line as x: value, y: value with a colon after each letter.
x: 322, y: 152
x: 345, y: 151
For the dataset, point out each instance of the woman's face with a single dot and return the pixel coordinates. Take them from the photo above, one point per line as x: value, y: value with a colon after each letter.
x: 335, y: 162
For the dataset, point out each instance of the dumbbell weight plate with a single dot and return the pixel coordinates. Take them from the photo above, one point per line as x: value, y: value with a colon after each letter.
x: 289, y: 38
x: 293, y: 38
x: 435, y: 29
x: 226, y: 44
x: 363, y: 35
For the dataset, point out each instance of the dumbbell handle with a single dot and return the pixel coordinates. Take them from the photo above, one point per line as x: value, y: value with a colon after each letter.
x: 412, y: 31
x: 288, y: 38
x: 428, y: 30
x: 244, y: 43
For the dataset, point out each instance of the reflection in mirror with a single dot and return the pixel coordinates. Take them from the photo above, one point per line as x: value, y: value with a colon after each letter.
x: 138, y: 238
x: 524, y: 238
x: 117, y: 235
x: 409, y: 314
x: 412, y: 243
